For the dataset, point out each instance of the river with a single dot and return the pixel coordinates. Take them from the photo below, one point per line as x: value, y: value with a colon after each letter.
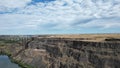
x: 6, y: 63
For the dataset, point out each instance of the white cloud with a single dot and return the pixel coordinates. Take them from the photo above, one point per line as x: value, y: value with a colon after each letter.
x: 102, y: 23
x: 18, y: 21
x: 9, y: 5
x: 60, y: 14
x: 13, y: 3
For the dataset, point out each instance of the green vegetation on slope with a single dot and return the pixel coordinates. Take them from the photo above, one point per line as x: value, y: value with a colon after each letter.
x: 22, y: 65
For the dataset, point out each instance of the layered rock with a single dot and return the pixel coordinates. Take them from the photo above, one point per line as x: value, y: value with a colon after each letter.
x: 67, y: 53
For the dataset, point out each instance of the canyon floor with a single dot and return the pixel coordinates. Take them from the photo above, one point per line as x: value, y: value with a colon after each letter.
x: 63, y: 51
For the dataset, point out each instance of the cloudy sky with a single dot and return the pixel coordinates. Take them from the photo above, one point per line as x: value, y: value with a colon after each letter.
x: 59, y: 16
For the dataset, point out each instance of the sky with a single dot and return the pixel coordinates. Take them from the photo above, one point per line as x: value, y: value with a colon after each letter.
x: 59, y: 16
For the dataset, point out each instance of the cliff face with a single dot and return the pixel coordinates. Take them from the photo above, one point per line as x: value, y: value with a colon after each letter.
x: 67, y: 53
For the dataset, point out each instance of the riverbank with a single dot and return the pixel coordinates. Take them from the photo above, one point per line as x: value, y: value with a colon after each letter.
x: 9, y: 54
x: 5, y: 62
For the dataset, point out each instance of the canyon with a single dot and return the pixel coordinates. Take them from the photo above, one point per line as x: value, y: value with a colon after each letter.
x: 63, y: 51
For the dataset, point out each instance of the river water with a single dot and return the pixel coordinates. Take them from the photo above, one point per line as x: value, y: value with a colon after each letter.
x: 6, y: 63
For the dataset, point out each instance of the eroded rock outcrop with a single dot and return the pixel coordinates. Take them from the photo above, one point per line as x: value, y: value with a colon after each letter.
x: 67, y: 53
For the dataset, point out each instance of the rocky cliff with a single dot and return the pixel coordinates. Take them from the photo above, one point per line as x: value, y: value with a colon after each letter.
x: 65, y: 53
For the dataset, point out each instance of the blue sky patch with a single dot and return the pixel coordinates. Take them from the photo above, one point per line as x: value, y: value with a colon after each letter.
x: 43, y: 1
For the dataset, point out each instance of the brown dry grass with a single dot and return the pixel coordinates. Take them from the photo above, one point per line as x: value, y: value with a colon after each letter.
x: 87, y: 37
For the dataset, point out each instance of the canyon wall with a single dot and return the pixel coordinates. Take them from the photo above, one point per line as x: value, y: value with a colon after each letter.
x: 66, y: 53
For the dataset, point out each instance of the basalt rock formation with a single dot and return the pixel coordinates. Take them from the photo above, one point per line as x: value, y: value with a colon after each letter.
x: 54, y: 52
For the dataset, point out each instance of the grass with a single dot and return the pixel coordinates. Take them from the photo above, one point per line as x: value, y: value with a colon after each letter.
x: 87, y: 37
x: 23, y: 65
